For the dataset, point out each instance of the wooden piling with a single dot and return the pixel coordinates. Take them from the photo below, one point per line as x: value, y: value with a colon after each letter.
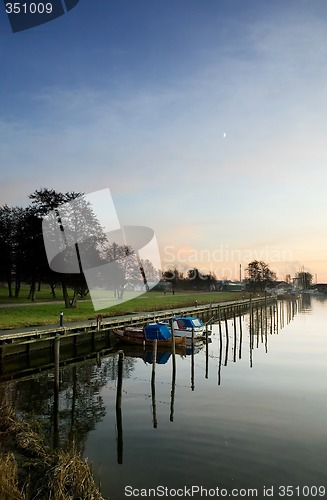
x: 241, y: 337
x: 277, y: 317
x: 220, y: 350
x: 251, y: 319
x: 173, y: 385
x: 192, y: 361
x: 56, y: 392
x: 234, y: 321
x: 220, y: 356
x: 172, y: 329
x: 153, y: 385
x: 207, y: 356
x: 118, y: 407
x: 119, y: 378
x: 227, y: 339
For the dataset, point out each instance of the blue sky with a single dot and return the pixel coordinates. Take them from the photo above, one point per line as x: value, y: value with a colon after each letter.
x: 207, y: 121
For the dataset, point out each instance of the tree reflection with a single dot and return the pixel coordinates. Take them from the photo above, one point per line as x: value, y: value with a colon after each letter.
x: 80, y: 405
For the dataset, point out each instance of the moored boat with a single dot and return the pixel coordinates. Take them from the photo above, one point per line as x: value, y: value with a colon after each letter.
x: 183, y: 327
x: 147, y: 335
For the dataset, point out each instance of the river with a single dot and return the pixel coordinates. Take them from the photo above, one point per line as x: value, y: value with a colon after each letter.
x: 245, y: 415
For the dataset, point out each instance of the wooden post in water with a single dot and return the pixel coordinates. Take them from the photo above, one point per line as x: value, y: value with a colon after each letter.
x: 261, y: 323
x: 56, y: 392
x: 172, y: 329
x: 227, y: 339
x: 173, y: 385
x: 207, y: 356
x: 274, y: 318
x: 257, y: 325
x: 251, y: 354
x: 220, y: 347
x: 192, y: 362
x: 118, y: 407
x: 153, y: 384
x: 251, y: 331
x: 234, y: 321
x: 219, y: 320
x: 226, y: 324
x: 277, y: 317
x: 241, y: 336
x: 251, y: 315
x: 220, y: 356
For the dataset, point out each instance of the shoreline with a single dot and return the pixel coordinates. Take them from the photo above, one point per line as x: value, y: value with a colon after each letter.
x: 29, y: 469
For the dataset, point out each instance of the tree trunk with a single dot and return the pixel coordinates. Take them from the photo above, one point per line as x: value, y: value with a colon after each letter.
x: 31, y: 294
x: 9, y: 288
x: 17, y: 287
x: 53, y: 293
x: 74, y: 299
x: 65, y: 295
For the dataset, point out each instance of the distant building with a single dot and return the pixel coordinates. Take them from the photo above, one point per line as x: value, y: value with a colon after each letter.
x: 229, y: 286
x: 164, y: 286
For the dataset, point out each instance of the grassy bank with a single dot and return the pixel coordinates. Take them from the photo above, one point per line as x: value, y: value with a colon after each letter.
x: 48, y: 313
x: 30, y: 470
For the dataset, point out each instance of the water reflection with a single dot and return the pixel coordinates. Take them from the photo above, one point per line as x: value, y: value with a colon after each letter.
x: 72, y: 411
x: 87, y: 389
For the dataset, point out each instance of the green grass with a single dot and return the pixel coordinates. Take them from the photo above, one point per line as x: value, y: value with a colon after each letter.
x: 44, y: 295
x: 35, y: 315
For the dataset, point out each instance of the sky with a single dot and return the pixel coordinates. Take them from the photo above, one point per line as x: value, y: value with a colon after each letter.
x: 205, y: 119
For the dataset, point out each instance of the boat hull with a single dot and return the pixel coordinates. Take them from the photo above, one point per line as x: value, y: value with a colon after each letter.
x: 135, y: 337
x: 188, y: 333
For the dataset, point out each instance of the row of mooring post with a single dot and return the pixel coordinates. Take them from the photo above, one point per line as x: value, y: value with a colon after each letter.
x: 263, y: 319
x: 270, y: 320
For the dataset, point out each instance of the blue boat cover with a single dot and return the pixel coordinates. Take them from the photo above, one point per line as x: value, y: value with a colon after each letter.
x: 157, y: 331
x: 189, y: 322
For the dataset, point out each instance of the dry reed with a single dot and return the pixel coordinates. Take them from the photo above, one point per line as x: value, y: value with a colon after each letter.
x: 30, y: 470
x: 9, y: 489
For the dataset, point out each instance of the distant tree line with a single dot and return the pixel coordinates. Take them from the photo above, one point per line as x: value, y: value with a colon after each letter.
x: 23, y: 257
x: 258, y: 278
x: 192, y: 280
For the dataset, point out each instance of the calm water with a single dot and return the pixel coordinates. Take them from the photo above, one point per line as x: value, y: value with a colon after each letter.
x: 247, y: 413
